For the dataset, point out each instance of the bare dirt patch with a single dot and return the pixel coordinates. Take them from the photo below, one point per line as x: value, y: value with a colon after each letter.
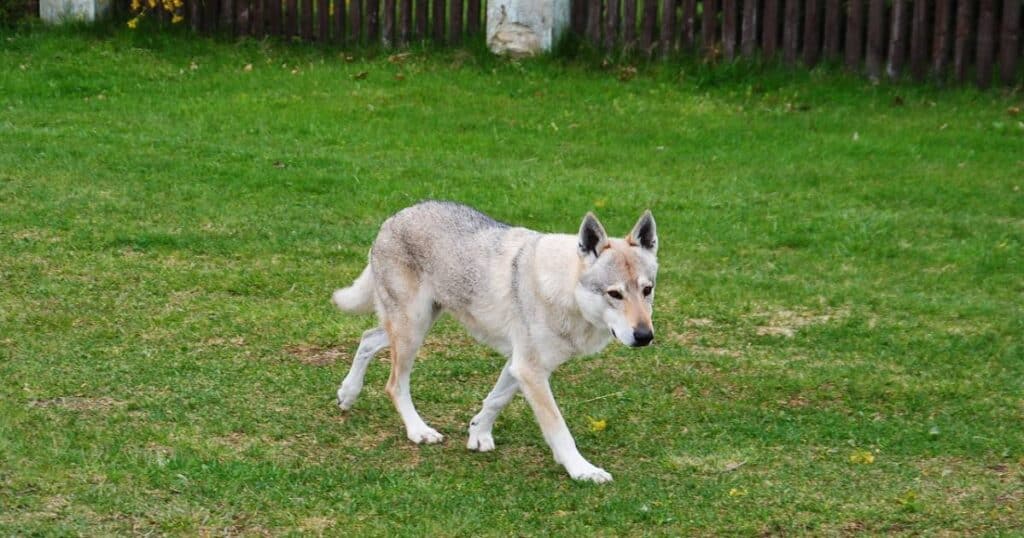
x: 77, y: 403
x: 786, y: 323
x: 314, y: 355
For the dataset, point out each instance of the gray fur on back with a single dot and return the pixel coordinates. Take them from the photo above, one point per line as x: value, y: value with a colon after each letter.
x: 445, y: 244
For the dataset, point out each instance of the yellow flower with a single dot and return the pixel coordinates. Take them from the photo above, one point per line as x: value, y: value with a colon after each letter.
x: 597, y: 425
x: 152, y: 4
x: 737, y: 492
x: 176, y: 19
x: 136, y: 5
x: 133, y: 22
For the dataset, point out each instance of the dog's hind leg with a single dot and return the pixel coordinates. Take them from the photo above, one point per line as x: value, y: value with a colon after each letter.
x: 373, y: 341
x: 406, y: 332
x: 480, y: 438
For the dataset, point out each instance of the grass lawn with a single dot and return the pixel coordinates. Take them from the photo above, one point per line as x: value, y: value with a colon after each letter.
x: 839, y: 316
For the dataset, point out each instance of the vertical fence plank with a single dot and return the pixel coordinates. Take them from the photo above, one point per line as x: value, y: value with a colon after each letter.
x: 919, y: 40
x: 812, y: 32
x: 473, y: 17
x: 578, y: 16
x: 770, y: 32
x: 709, y: 26
x: 854, y: 34
x: 668, y: 26
x: 688, y: 34
x: 593, y: 27
x: 611, y: 24
x: 748, y: 31
x: 227, y: 16
x: 898, y: 38
x: 629, y: 24
x: 338, y: 21
x: 791, y: 31
x: 387, y: 23
x: 833, y: 28
x: 355, y: 22
x: 372, y: 16
x: 420, y: 24
x: 986, y: 43
x: 961, y: 47
x: 258, y: 19
x: 437, y: 16
x: 211, y: 14
x: 405, y: 22
x: 291, y: 10
x: 194, y: 18
x: 942, y: 43
x: 455, y: 22
x: 323, y: 16
x: 1009, y: 42
x: 649, y: 24
x: 876, y: 38
x: 306, y: 16
x: 273, y: 10
x: 730, y: 16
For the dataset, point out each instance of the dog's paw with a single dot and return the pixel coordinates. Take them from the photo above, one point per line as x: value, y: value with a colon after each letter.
x: 588, y: 473
x: 425, y: 436
x: 480, y: 442
x: 347, y: 398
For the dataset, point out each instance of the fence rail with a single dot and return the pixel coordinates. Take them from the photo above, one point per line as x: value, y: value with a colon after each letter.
x: 959, y: 40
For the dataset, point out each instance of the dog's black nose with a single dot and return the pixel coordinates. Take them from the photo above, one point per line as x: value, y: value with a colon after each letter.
x: 642, y: 337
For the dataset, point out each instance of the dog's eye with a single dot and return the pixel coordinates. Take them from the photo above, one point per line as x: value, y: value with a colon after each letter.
x: 648, y: 290
x: 614, y: 294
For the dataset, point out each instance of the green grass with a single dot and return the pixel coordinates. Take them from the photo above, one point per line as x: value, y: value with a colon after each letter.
x: 841, y: 272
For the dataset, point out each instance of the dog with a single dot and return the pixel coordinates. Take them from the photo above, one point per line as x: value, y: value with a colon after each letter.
x: 538, y: 299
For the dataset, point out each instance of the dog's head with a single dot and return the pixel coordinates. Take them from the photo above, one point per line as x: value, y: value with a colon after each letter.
x: 616, y: 287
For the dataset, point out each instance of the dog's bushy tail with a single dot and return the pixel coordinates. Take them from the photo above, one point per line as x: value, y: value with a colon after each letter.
x: 357, y: 298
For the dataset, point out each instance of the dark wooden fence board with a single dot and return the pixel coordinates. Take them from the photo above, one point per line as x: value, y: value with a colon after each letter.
x: 791, y: 31
x: 650, y: 22
x: 473, y: 17
x: 323, y: 19
x: 986, y: 42
x: 668, y: 26
x: 919, y: 40
x: 593, y: 27
x: 688, y: 34
x: 898, y: 38
x: 770, y: 32
x: 455, y: 22
x: 730, y: 16
x: 437, y: 16
x: 961, y: 46
x: 833, y: 29
x: 812, y: 32
x: 611, y: 24
x: 942, y: 43
x: 876, y: 39
x: 629, y: 24
x: 709, y: 27
x: 854, y: 34
x: 1009, y: 42
x: 420, y: 31
x: 748, y: 32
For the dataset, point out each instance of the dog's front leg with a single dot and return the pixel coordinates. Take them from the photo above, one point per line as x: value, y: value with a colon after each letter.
x: 533, y: 382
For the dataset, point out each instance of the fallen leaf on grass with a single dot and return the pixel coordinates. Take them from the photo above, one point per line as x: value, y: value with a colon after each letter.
x: 862, y: 457
x: 737, y: 492
x: 360, y: 75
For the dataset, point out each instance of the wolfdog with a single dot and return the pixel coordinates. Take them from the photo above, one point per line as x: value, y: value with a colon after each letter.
x: 538, y: 299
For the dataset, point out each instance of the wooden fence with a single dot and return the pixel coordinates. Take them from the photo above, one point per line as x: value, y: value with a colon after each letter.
x: 957, y: 40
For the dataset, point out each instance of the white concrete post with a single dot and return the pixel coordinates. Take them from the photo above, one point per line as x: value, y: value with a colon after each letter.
x: 525, y: 27
x: 59, y: 11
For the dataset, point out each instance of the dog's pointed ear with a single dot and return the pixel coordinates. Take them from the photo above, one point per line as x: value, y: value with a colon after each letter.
x: 592, y: 239
x: 644, y: 233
